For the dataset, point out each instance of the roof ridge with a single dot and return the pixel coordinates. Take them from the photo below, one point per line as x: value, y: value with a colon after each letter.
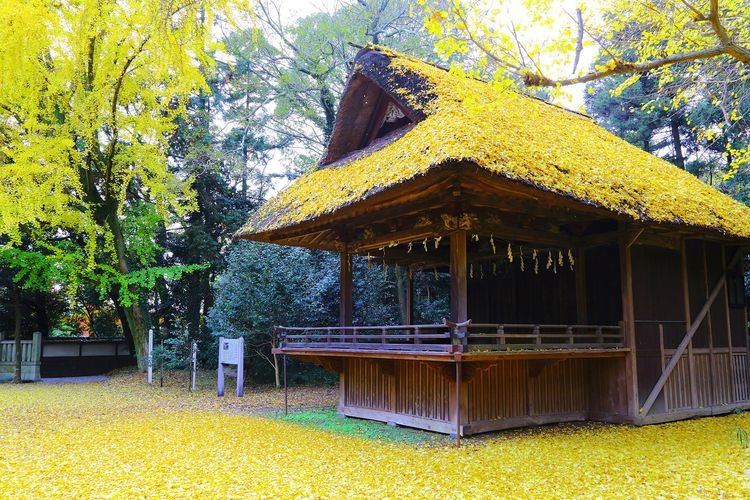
x: 387, y: 51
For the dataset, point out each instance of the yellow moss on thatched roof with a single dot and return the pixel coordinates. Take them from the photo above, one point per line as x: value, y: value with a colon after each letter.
x: 518, y: 138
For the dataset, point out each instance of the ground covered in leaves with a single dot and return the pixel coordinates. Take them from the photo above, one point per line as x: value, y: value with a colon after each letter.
x: 121, y: 438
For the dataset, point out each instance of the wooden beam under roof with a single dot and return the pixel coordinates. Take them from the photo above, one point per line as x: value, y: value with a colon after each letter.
x: 462, y: 186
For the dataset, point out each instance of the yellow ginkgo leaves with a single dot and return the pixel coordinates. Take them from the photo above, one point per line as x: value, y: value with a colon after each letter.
x: 123, y: 439
x: 516, y: 137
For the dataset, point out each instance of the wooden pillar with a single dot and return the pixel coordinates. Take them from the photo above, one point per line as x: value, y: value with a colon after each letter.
x: 345, y: 290
x: 688, y: 323
x: 732, y: 381
x: 457, y: 416
x: 459, y: 302
x: 409, y: 296
x: 581, y: 295
x: 286, y: 388
x: 709, y: 323
x: 628, y: 316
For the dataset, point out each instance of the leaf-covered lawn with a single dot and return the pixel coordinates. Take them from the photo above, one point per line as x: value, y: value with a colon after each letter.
x: 121, y: 438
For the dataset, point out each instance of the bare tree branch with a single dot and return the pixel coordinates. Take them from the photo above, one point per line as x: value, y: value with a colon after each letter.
x: 622, y: 68
x: 579, y: 43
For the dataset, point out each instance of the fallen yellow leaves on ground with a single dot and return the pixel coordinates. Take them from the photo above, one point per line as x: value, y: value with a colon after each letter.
x: 123, y: 439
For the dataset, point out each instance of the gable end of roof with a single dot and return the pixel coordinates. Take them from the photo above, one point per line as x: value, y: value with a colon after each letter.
x: 374, y: 74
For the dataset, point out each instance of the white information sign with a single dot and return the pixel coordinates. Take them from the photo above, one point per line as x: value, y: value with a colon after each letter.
x: 231, y: 352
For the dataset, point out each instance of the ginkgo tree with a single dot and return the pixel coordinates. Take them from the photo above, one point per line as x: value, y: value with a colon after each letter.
x: 89, y: 93
x: 694, y: 48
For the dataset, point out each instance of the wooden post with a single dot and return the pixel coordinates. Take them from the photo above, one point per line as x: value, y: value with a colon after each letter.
x: 711, y: 361
x: 458, y: 402
x: 688, y: 337
x: 409, y: 296
x: 661, y: 361
x: 286, y: 390
x: 459, y: 303
x: 661, y: 346
x: 732, y: 381
x: 628, y: 315
x: 345, y: 290
x: 342, y: 387
x: 688, y: 321
x: 581, y: 296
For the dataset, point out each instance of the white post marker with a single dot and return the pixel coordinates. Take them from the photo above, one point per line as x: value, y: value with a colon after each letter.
x: 150, y: 367
x: 194, y: 359
x: 220, y: 383
x: 231, y: 352
x: 241, y: 368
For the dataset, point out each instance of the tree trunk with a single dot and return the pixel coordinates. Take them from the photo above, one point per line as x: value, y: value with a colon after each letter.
x: 208, y: 292
x: 17, y: 307
x: 679, y: 159
x: 276, y: 370
x: 113, y: 295
x: 134, y: 313
x: 328, y: 102
x: 195, y: 297
x: 137, y: 323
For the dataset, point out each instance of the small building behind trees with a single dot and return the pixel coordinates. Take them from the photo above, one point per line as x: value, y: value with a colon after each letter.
x: 589, y: 279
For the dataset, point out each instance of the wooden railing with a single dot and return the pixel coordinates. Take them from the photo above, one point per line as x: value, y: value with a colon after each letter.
x: 493, y: 337
x: 450, y: 338
x: 430, y: 338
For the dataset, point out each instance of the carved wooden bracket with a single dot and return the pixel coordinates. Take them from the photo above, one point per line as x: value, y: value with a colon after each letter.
x: 465, y: 221
x: 423, y: 221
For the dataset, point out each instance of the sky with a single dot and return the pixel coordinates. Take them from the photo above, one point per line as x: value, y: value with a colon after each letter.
x: 301, y: 8
x: 574, y: 99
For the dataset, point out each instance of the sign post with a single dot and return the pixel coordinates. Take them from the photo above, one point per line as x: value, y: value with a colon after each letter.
x: 194, y: 361
x: 231, y: 352
x: 150, y: 367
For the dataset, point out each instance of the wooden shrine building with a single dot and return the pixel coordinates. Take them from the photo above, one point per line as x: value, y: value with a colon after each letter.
x: 589, y: 279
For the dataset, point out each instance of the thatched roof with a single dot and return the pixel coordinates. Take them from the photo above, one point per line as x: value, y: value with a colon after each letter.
x: 513, y: 136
